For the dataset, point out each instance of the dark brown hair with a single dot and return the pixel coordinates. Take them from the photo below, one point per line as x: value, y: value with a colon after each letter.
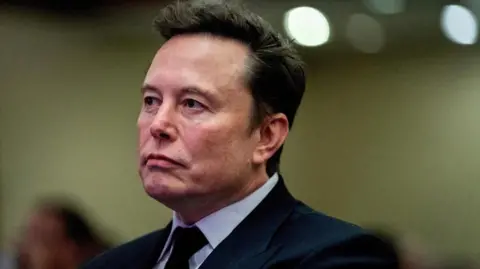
x: 275, y: 73
x: 76, y: 226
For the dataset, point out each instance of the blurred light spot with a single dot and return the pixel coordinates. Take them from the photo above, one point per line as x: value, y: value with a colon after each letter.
x: 307, y: 26
x: 365, y: 33
x: 459, y: 24
x: 386, y: 6
x: 473, y: 5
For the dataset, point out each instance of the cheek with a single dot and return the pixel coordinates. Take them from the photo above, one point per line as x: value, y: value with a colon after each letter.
x: 212, y: 143
x: 143, y: 132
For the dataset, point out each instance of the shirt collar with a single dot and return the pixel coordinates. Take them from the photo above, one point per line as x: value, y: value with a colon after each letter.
x: 229, y: 217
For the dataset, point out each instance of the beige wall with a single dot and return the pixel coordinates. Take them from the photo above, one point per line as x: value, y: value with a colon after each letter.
x: 377, y: 141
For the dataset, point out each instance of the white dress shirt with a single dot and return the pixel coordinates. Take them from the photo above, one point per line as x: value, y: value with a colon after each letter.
x: 218, y: 225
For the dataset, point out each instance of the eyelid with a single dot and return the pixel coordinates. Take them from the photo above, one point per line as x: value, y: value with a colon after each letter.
x: 199, y: 106
x: 200, y: 102
x: 198, y: 97
x: 150, y: 94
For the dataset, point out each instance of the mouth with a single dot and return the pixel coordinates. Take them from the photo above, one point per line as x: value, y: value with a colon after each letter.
x: 158, y: 161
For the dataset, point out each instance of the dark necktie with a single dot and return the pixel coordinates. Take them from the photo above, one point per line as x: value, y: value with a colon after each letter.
x: 186, y: 241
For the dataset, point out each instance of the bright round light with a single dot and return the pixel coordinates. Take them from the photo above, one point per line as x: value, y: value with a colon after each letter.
x: 459, y: 24
x: 365, y: 33
x: 307, y: 26
x: 386, y: 6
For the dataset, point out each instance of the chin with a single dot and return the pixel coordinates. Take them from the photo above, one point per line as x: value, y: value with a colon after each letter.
x: 163, y: 188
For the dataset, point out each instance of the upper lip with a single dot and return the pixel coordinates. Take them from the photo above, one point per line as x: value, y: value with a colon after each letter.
x: 156, y: 156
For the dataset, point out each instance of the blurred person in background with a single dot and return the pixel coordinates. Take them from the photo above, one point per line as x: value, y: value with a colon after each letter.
x: 57, y: 236
x: 219, y: 99
x: 413, y: 253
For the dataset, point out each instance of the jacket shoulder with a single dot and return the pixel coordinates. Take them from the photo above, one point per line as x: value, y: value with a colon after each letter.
x: 311, y: 224
x: 311, y: 239
x: 307, y: 230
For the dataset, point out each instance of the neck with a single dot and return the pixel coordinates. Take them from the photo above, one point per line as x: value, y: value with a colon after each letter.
x: 201, y: 209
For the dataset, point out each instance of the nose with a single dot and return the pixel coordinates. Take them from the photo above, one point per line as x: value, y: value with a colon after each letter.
x: 163, y: 126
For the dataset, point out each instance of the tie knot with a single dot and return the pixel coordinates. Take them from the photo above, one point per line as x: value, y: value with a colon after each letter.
x: 187, y: 241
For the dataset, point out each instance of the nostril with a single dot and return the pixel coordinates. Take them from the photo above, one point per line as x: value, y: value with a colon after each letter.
x: 164, y: 135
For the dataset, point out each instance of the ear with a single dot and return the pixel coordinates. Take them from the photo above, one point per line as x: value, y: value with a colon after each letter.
x: 272, y: 134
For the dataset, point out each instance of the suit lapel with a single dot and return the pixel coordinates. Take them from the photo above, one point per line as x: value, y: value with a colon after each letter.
x: 250, y: 239
x: 153, y: 251
x: 256, y: 261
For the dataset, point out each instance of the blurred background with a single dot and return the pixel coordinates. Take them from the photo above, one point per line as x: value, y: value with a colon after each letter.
x: 388, y: 134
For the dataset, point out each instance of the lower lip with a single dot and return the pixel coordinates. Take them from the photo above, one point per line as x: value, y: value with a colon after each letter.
x: 161, y: 164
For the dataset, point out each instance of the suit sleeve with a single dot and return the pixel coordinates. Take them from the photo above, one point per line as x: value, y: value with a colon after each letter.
x: 361, y: 252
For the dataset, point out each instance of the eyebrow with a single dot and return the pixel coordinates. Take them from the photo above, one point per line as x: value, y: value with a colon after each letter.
x: 148, y: 87
x: 184, y: 90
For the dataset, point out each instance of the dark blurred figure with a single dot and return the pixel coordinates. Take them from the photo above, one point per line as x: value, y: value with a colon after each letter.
x: 57, y: 236
x: 413, y: 254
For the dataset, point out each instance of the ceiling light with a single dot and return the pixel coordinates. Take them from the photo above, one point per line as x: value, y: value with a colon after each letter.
x: 459, y: 24
x: 307, y: 26
x: 365, y: 33
x: 386, y: 6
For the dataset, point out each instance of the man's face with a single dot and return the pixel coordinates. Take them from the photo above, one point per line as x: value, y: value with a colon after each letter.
x: 195, y: 120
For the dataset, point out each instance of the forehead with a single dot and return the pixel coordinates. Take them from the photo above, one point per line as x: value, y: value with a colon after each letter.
x: 201, y: 60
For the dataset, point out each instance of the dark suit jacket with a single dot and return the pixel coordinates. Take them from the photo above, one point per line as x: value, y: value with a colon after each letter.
x: 280, y: 233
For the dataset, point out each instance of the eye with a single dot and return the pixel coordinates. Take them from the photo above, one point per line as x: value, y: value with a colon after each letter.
x: 193, y: 104
x: 151, y: 104
x: 149, y: 100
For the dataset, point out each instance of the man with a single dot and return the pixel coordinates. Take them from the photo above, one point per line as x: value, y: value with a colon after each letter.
x: 56, y: 236
x: 218, y: 102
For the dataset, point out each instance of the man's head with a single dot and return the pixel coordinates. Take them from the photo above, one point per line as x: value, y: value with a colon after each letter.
x: 56, y: 236
x: 218, y: 101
